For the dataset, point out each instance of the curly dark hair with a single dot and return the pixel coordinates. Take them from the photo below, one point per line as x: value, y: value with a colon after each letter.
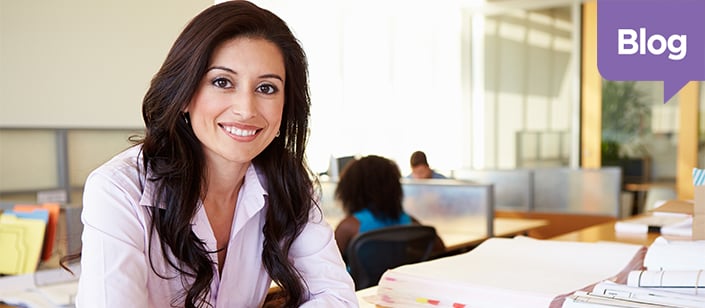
x: 176, y: 160
x: 371, y: 182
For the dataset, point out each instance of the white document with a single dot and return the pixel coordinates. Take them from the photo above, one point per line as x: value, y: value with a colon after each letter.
x: 42, y: 289
x: 685, y: 282
x: 666, y: 254
x: 502, y: 272
x: 651, y: 223
x: 583, y: 299
x: 683, y: 228
x: 650, y: 296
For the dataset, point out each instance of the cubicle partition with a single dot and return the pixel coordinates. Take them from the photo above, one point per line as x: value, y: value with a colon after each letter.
x: 40, y: 165
x: 451, y: 204
x: 567, y: 198
x: 553, y: 190
x: 578, y: 191
x: 513, y: 188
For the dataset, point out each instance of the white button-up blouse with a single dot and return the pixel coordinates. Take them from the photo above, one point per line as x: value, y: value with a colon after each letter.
x: 116, y: 270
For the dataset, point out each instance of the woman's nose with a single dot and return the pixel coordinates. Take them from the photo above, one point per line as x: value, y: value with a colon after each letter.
x: 245, y: 105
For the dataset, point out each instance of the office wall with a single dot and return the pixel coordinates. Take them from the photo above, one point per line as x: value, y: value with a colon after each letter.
x: 83, y: 63
x: 27, y: 160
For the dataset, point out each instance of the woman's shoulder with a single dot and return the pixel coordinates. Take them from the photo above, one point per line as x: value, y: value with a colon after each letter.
x: 363, y: 214
x: 127, y: 159
x: 347, y: 227
x: 124, y: 167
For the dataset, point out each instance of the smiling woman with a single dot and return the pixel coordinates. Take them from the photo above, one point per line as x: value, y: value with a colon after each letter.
x: 241, y: 95
x: 218, y: 191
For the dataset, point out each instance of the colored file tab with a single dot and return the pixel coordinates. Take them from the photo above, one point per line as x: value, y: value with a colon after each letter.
x: 50, y: 234
x: 21, y: 243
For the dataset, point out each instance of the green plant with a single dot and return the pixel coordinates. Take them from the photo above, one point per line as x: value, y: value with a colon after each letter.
x: 610, y: 150
x: 626, y: 119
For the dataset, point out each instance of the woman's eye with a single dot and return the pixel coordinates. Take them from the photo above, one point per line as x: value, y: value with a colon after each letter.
x: 222, y: 83
x: 267, y: 89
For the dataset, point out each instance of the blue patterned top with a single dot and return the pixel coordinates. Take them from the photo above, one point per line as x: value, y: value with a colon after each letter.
x: 369, y: 222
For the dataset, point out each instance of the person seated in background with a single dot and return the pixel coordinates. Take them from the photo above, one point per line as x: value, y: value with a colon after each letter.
x: 420, y: 168
x: 371, y: 195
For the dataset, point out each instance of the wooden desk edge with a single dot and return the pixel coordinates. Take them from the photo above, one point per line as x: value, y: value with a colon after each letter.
x: 606, y: 232
x: 503, y: 227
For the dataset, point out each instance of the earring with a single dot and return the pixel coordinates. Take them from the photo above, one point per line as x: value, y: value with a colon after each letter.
x: 185, y: 115
x: 277, y: 135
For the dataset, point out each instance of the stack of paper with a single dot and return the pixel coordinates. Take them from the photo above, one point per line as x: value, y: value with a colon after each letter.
x: 502, y: 272
x: 655, y: 222
x: 610, y: 294
x: 673, y: 265
x: 674, y: 276
x: 674, y: 217
x: 44, y: 288
x: 664, y: 254
x: 685, y: 281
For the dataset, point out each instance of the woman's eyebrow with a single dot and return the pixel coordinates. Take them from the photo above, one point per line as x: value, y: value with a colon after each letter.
x: 221, y: 68
x: 275, y: 76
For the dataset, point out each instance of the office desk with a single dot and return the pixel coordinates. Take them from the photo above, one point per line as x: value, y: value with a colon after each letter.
x: 47, y: 288
x: 361, y: 294
x: 606, y: 232
x: 600, y: 232
x: 639, y: 191
x: 465, y: 233
x: 458, y: 235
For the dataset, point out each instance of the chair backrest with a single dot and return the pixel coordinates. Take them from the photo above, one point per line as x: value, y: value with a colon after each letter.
x: 371, y: 253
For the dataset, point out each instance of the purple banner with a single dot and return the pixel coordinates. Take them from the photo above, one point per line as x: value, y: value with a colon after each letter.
x: 652, y: 40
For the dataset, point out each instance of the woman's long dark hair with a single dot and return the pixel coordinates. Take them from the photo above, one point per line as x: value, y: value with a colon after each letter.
x: 175, y: 156
x: 372, y: 182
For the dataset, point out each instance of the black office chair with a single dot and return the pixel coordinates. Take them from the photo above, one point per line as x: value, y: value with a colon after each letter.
x: 371, y: 253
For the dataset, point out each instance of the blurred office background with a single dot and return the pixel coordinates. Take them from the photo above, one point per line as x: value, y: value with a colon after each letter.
x: 477, y: 85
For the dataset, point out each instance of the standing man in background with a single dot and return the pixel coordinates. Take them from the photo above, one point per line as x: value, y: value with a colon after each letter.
x: 420, y: 168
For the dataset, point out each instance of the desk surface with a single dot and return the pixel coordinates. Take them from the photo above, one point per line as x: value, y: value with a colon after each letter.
x: 606, y: 232
x: 458, y: 236
x: 461, y: 233
x: 600, y: 232
x: 647, y: 186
